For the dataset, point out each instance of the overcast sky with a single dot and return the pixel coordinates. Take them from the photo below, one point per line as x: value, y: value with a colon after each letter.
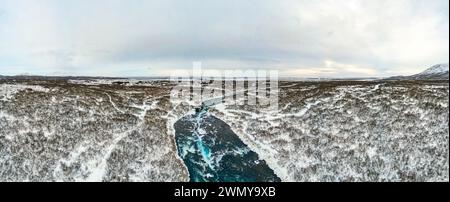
x: 329, y: 38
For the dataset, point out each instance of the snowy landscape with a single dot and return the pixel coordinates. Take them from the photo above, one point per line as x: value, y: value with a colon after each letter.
x: 78, y: 129
x: 225, y: 91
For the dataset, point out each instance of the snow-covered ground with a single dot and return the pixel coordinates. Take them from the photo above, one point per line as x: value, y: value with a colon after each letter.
x: 8, y: 91
x: 73, y: 132
x: 322, y: 131
x: 376, y: 132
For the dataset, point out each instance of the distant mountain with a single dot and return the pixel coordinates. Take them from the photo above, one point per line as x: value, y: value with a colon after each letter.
x: 436, y: 72
x: 436, y: 69
x: 439, y: 71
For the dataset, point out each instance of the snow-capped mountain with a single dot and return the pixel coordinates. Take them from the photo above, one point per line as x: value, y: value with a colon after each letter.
x: 436, y: 72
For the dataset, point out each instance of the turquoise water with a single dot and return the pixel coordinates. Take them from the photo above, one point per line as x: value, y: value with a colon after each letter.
x: 212, y: 152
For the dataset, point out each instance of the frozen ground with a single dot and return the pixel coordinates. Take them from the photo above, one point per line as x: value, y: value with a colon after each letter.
x: 58, y: 130
x: 351, y: 131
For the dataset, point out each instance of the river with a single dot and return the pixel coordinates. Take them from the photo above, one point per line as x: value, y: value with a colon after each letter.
x: 212, y: 152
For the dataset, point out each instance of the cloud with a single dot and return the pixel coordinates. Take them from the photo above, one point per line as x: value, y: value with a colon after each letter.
x: 349, y: 68
x: 330, y: 68
x: 108, y: 37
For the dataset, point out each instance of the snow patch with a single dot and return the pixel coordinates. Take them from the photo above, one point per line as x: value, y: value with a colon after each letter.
x: 8, y: 91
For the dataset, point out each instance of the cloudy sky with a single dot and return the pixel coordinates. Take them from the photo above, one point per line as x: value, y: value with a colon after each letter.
x: 329, y: 38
